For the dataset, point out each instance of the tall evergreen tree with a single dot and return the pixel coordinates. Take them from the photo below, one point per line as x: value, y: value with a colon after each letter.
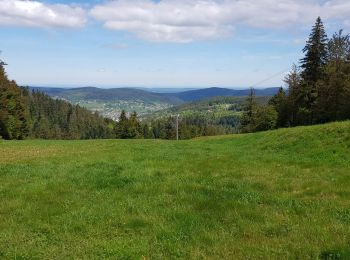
x: 250, y: 110
x: 315, y: 53
x: 121, y: 128
x: 313, y: 69
x: 134, y: 127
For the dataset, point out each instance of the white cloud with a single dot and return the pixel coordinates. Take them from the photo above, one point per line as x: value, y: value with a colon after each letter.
x: 37, y: 14
x: 189, y: 20
x: 171, y: 21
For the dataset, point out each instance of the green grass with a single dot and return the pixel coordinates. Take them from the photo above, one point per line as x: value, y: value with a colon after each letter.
x: 272, y: 195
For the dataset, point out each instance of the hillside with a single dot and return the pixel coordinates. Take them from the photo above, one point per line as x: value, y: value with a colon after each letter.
x: 199, y: 94
x: 110, y: 102
x: 271, y: 195
x: 92, y: 93
x: 33, y: 114
x: 208, y: 117
x: 214, y: 105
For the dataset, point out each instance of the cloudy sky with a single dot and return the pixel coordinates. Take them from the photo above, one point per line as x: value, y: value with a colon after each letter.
x: 164, y: 43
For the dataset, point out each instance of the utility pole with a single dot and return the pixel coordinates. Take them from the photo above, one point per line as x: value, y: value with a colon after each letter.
x: 177, y: 127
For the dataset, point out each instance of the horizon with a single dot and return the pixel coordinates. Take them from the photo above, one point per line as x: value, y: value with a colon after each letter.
x: 163, y: 43
x: 150, y: 88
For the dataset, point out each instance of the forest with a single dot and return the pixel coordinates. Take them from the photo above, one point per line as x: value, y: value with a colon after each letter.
x: 32, y: 114
x: 318, y: 91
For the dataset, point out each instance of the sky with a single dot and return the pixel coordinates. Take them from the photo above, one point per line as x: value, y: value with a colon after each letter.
x: 164, y: 43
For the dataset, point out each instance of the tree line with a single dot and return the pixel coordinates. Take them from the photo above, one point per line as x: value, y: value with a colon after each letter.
x: 32, y: 114
x: 318, y: 91
x: 190, y: 126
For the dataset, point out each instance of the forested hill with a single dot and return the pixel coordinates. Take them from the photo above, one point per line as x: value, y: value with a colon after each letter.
x: 112, y: 94
x: 26, y: 113
x: 129, y: 94
x: 200, y: 94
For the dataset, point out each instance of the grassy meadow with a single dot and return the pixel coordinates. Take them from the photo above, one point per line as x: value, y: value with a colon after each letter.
x: 272, y: 195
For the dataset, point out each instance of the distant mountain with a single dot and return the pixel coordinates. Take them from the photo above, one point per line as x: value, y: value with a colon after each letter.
x: 112, y: 94
x: 151, y: 95
x: 109, y: 102
x: 200, y: 94
x: 167, y: 90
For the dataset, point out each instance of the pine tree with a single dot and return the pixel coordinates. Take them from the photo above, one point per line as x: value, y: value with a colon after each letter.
x: 315, y: 54
x: 134, y: 129
x: 280, y: 103
x: 250, y: 110
x: 121, y: 128
x: 313, y: 70
x: 296, y: 95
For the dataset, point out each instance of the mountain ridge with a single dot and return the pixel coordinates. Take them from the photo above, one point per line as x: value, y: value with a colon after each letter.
x: 95, y: 93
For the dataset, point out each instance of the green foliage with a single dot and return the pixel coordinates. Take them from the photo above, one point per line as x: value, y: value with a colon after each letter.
x: 58, y: 119
x: 333, y: 102
x: 13, y: 121
x: 280, y: 194
x: 249, y: 115
x: 266, y: 118
x: 214, y: 116
x: 192, y: 125
x: 320, y: 91
x: 280, y: 104
x: 129, y: 128
x: 36, y: 115
x: 315, y: 53
x: 258, y: 118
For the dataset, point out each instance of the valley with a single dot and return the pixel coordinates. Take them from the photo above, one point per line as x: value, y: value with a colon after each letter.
x: 110, y: 102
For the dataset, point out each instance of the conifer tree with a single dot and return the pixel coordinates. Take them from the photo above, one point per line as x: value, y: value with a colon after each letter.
x: 296, y: 95
x: 121, y: 128
x: 250, y: 109
x: 134, y: 129
x: 280, y: 103
x: 315, y: 53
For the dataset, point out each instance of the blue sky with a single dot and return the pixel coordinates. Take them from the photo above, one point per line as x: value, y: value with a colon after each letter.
x: 168, y: 43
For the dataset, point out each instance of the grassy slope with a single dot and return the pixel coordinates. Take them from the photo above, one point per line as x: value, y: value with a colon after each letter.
x: 277, y: 194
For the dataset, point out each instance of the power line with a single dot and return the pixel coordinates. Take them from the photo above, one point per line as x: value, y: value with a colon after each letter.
x: 269, y: 78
